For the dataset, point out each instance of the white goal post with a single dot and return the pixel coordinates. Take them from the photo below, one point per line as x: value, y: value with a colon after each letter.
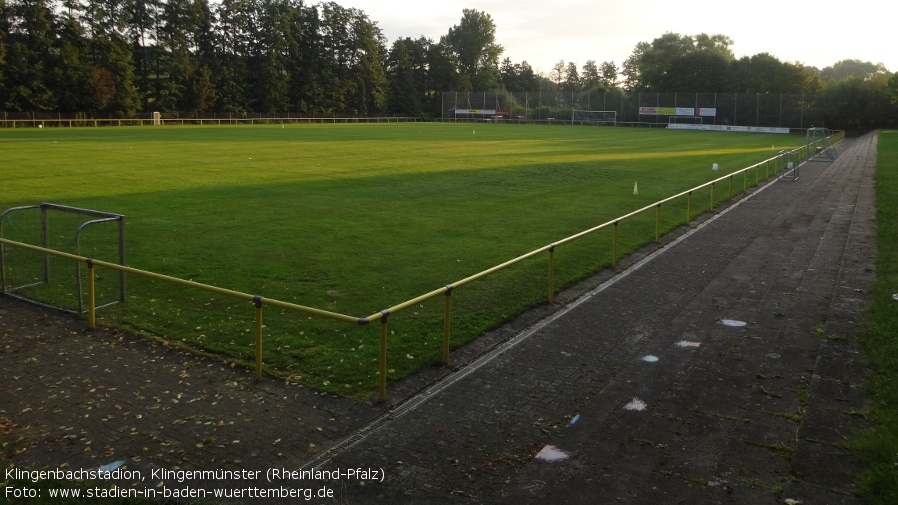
x: 595, y: 117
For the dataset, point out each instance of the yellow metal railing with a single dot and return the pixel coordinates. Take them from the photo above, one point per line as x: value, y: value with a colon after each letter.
x: 383, y: 316
x: 257, y: 300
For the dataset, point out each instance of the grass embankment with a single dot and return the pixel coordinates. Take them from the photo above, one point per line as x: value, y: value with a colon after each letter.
x: 878, y: 447
x: 355, y: 219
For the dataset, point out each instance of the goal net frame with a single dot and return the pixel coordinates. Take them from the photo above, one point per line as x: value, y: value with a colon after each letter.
x: 819, y: 145
x: 594, y: 117
x: 791, y: 167
x: 92, y: 219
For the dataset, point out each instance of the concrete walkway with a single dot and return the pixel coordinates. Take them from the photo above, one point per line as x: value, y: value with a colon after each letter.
x: 721, y: 368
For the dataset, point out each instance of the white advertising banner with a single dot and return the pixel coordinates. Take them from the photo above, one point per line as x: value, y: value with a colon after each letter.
x: 726, y: 128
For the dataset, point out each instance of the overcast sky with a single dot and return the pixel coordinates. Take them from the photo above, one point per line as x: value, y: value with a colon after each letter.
x: 813, y: 32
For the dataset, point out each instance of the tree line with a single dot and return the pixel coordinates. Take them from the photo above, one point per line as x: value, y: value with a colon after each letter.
x: 121, y: 57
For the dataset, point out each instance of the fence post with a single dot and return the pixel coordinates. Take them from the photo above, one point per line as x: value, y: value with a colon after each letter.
x: 552, y: 273
x: 45, y: 231
x: 712, y: 197
x: 92, y: 306
x: 257, y: 300
x: 382, y: 384
x: 657, y: 223
x: 121, y: 257
x: 614, y: 245
x: 446, y: 324
x: 688, y: 207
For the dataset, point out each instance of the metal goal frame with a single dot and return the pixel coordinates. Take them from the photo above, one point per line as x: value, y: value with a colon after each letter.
x: 819, y: 145
x: 97, y: 217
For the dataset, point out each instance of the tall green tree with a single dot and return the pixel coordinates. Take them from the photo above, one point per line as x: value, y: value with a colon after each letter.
x: 717, y: 44
x: 557, y: 72
x: 811, y: 83
x: 407, y: 78
x: 859, y: 69
x: 472, y: 43
x: 141, y: 24
x: 893, y: 90
x: 236, y: 36
x: 110, y: 51
x: 650, y: 64
x: 73, y: 77
x: 646, y: 66
x: 571, y: 78
x: 4, y: 33
x: 517, y: 77
x: 367, y: 66
x: 186, y: 35
x: 336, y: 44
x: 201, y: 95
x: 308, y: 61
x: 175, y: 65
x: 30, y: 57
x: 701, y: 70
x: 855, y: 103
x: 443, y: 75
x: 508, y: 75
x: 764, y: 73
x: 269, y: 56
x: 590, y: 76
x: 609, y: 73
x: 528, y: 79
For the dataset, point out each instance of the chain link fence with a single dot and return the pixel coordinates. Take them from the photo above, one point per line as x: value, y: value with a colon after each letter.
x: 635, y: 109
x: 70, y: 119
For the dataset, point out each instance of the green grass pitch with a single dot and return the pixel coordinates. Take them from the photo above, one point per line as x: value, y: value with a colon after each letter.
x: 357, y: 218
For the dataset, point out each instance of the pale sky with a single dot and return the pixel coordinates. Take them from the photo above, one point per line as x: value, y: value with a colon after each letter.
x: 813, y: 32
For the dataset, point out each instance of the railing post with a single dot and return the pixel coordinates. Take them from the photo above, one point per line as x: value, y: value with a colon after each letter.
x: 446, y: 324
x: 744, y: 181
x: 552, y: 273
x: 45, y: 230
x: 382, y: 383
x: 257, y: 300
x: 614, y: 245
x: 92, y: 305
x: 2, y: 267
x: 121, y: 257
